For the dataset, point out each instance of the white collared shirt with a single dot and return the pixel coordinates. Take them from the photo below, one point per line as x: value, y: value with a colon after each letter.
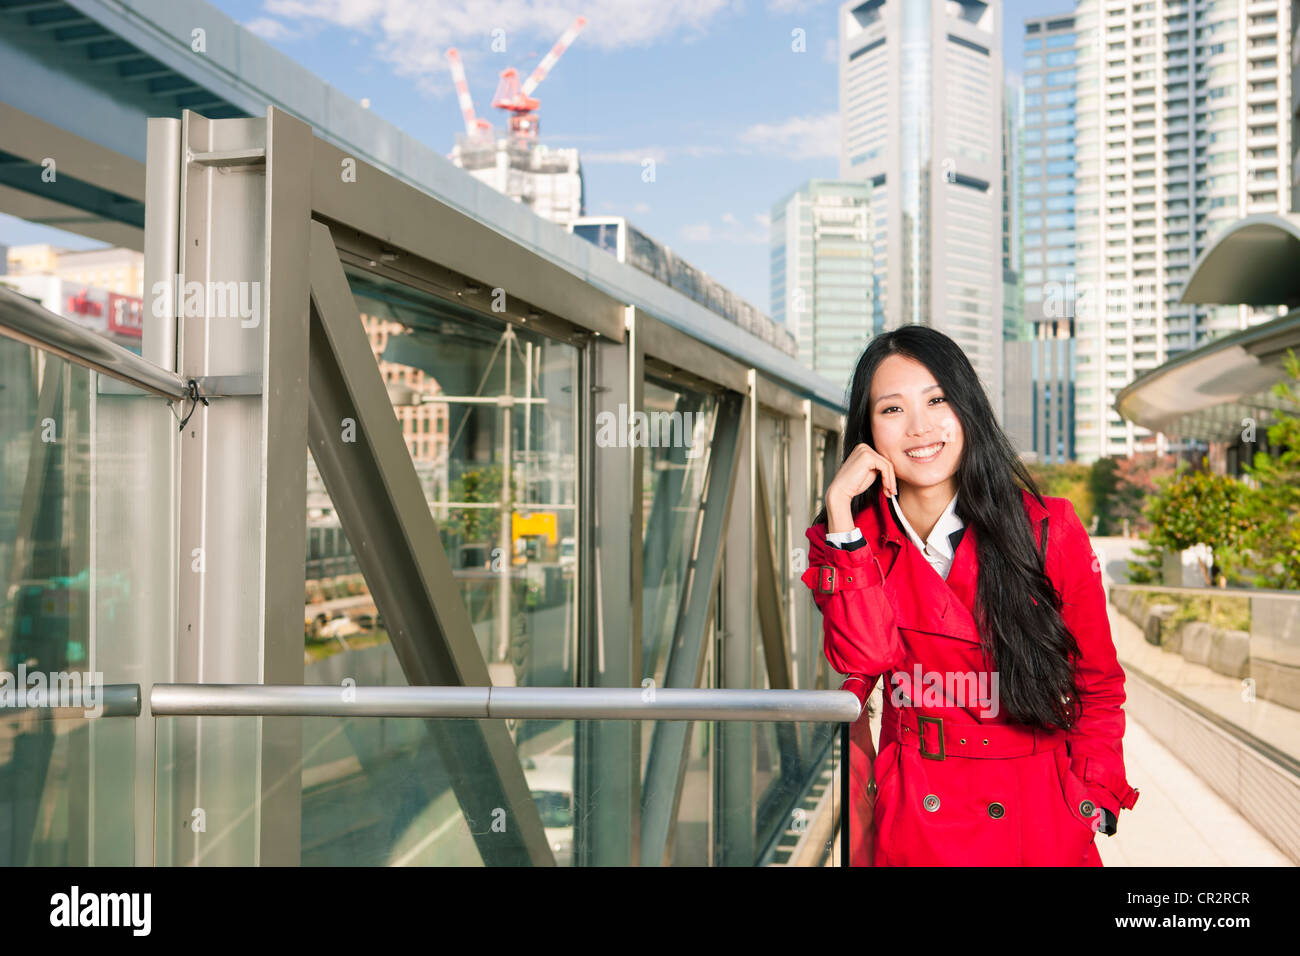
x: 937, y: 548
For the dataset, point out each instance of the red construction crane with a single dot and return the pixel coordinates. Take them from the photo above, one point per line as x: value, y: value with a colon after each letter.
x: 475, y: 128
x: 518, y: 100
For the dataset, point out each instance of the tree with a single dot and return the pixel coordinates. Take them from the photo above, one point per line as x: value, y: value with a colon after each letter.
x: 477, y: 485
x: 1102, y: 484
x: 1137, y: 480
x: 1199, y: 507
x: 1271, y: 508
x: 1067, y: 480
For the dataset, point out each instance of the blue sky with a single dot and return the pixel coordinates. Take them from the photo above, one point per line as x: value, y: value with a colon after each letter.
x: 712, y: 90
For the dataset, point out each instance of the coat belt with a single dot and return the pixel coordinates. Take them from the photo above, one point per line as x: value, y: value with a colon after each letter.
x: 938, y: 738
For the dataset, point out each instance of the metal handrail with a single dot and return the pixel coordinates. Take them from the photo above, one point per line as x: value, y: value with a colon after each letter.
x: 550, y: 703
x: 106, y: 700
x: 33, y: 324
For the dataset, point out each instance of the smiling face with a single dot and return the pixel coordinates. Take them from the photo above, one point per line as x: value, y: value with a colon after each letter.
x: 912, y: 423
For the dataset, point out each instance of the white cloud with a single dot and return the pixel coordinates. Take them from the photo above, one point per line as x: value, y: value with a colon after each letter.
x: 800, y: 137
x: 344, y: 13
x: 698, y: 151
x: 633, y: 157
x: 269, y: 29
x: 641, y: 207
x: 659, y: 154
x: 734, y: 233
x: 552, y: 137
x: 791, y: 6
x: 412, y: 34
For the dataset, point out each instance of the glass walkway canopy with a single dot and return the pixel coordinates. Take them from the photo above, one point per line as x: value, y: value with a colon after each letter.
x: 399, y: 543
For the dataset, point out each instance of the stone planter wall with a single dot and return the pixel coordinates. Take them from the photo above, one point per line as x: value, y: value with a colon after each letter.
x: 1269, y: 653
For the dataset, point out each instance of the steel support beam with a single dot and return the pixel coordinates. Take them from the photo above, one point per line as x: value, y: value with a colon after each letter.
x: 358, y: 447
x: 671, y: 740
x: 803, y: 649
x: 242, y: 486
x: 734, y: 840
x: 424, y: 227
x: 770, y: 587
x: 608, y: 786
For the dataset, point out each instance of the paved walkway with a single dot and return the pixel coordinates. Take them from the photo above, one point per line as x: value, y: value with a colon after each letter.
x: 1178, y: 820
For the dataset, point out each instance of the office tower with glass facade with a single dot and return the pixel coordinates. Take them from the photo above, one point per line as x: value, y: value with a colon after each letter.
x: 921, y: 108
x: 1013, y: 310
x: 1017, y: 384
x: 1047, y: 218
x: 1183, y: 126
x: 822, y: 275
x: 1048, y: 175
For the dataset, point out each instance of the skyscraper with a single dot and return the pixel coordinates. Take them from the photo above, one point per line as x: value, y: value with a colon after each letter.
x: 921, y: 121
x: 1183, y: 126
x: 822, y: 273
x: 1048, y: 174
x: 1042, y: 383
x: 1013, y: 307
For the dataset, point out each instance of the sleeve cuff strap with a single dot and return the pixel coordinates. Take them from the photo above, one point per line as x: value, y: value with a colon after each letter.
x: 829, y: 578
x: 1095, y: 773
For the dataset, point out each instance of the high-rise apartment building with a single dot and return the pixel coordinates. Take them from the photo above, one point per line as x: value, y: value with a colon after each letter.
x: 116, y: 270
x: 1295, y: 107
x: 424, y: 424
x: 822, y: 247
x: 1183, y: 125
x: 921, y: 121
x: 99, y: 289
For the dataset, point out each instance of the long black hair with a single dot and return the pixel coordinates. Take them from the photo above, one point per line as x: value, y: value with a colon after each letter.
x: 1018, y: 610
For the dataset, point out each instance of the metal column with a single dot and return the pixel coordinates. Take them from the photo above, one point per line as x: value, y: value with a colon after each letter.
x: 670, y: 743
x: 245, y: 212
x: 735, y: 843
x: 608, y: 788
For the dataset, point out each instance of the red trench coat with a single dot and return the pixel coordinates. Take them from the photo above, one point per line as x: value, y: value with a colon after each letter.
x: 990, y: 792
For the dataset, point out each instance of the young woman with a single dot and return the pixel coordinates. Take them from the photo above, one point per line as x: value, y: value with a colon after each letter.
x: 981, y: 604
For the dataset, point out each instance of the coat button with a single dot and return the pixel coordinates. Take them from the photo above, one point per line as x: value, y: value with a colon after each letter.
x: 931, y: 802
x: 996, y: 810
x: 1087, y: 808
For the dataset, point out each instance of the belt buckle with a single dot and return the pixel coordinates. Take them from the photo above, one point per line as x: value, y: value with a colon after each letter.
x: 826, y: 579
x: 921, y: 721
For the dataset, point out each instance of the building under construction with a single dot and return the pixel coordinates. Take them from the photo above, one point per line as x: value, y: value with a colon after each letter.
x: 548, y: 181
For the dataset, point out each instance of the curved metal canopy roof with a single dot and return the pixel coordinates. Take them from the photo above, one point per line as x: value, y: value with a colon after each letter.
x: 1207, y: 393
x: 1252, y: 262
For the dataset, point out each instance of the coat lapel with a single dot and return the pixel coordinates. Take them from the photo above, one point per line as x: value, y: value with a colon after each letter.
x: 922, y: 600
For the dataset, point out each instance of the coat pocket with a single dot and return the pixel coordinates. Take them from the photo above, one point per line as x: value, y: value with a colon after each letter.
x: 886, y: 773
x: 1073, y: 795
